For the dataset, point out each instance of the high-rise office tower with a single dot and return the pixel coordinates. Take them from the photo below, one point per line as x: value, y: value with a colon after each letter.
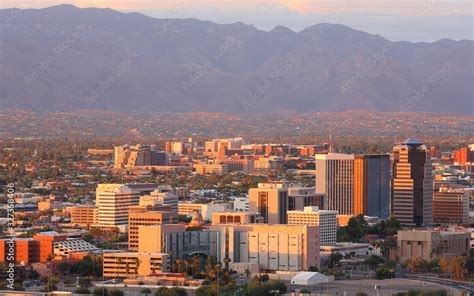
x: 113, y: 202
x: 335, y: 178
x: 372, y: 185
x: 412, y: 183
x: 271, y: 201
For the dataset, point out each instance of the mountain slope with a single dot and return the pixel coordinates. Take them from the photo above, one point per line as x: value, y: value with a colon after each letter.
x: 64, y: 58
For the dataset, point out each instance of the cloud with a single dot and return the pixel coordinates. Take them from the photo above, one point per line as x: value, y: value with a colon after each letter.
x: 303, y: 7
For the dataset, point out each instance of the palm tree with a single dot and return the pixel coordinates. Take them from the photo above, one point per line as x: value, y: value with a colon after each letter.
x: 187, y: 266
x: 226, y: 262
x: 179, y: 262
x: 196, y: 263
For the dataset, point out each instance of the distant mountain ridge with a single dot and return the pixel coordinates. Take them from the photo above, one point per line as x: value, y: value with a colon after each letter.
x: 67, y: 58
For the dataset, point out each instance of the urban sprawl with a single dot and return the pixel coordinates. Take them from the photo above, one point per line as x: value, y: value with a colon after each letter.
x: 227, y: 217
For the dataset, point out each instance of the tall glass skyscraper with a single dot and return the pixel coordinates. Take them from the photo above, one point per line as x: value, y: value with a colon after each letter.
x: 372, y: 185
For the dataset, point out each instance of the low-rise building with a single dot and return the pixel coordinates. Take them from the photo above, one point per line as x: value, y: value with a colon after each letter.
x: 211, y: 168
x: 206, y: 210
x: 300, y: 197
x: 132, y: 264
x: 274, y: 247
x: 64, y: 248
x: 84, y: 215
x: 241, y: 204
x: 451, y: 206
x: 160, y: 196
x: 429, y: 243
x: 175, y: 240
x: 236, y: 218
x: 349, y: 250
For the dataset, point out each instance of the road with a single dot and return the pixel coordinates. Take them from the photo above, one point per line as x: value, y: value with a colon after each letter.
x: 460, y: 285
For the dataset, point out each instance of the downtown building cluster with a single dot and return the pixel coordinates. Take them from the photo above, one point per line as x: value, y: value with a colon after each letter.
x: 277, y: 226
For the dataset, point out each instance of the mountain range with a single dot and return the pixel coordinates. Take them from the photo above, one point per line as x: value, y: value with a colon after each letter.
x: 65, y: 58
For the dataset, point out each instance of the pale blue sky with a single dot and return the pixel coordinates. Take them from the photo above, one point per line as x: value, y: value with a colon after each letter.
x: 412, y: 20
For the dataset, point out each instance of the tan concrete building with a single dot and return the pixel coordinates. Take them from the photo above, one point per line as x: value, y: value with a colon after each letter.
x: 138, y: 156
x: 244, y: 164
x: 272, y: 247
x: 451, y: 207
x: 236, y: 218
x: 325, y: 219
x: 210, y: 168
x: 84, y: 215
x: 132, y: 264
x: 139, y: 218
x: 426, y: 244
x: 270, y: 199
x: 175, y: 240
x: 161, y: 196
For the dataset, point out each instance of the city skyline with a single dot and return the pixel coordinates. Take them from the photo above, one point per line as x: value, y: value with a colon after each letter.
x: 236, y: 147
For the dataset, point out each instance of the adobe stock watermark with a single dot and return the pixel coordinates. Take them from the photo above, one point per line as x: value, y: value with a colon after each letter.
x: 178, y: 12
x: 430, y: 83
x: 56, y: 52
x: 276, y: 75
x: 201, y: 70
x: 10, y: 242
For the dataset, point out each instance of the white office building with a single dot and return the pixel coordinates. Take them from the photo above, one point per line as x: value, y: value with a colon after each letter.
x: 325, y: 219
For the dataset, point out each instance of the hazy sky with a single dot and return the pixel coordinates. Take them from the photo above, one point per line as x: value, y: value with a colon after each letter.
x: 413, y: 20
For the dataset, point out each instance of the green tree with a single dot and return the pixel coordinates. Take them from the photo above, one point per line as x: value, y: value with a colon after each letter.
x: 64, y: 268
x: 313, y: 269
x: 84, y: 282
x: 334, y: 259
x: 373, y: 261
x: 116, y: 292
x: 145, y: 291
x: 82, y: 291
x: 264, y: 278
x: 355, y: 230
x: 51, y: 285
x: 100, y: 292
x: 384, y: 273
x: 175, y: 291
